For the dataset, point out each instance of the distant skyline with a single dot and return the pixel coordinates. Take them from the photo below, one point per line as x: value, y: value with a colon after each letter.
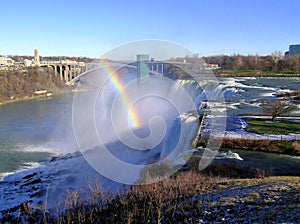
x: 92, y: 27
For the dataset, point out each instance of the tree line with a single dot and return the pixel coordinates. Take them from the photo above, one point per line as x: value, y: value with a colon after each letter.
x: 52, y: 58
x: 275, y: 62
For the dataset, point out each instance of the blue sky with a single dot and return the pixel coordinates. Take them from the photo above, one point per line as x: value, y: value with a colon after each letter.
x: 92, y: 27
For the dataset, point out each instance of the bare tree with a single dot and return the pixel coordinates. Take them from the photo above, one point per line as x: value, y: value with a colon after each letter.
x: 277, y: 108
x: 238, y: 62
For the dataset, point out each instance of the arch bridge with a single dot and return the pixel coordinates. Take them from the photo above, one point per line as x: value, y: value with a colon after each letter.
x: 153, y: 67
x: 66, y: 70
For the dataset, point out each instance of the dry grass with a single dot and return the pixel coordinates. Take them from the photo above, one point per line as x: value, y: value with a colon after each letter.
x: 272, y: 146
x: 186, y: 197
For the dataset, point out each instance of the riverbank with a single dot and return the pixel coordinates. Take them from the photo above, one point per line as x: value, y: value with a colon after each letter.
x: 29, y: 84
x: 272, y: 75
x: 283, y: 147
x: 255, y: 73
x: 58, y: 92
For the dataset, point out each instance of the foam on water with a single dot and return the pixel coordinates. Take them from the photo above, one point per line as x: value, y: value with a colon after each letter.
x: 55, y: 151
x: 23, y: 167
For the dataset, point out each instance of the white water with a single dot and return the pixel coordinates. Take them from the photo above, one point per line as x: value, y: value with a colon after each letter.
x: 188, y: 131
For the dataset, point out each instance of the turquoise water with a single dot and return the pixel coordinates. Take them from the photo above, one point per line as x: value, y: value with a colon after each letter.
x: 30, y: 131
x: 275, y: 164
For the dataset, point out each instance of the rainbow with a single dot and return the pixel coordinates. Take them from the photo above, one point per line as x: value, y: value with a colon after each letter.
x: 134, y: 120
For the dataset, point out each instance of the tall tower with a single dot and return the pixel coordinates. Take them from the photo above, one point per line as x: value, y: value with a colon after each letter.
x: 36, y: 57
x: 143, y: 70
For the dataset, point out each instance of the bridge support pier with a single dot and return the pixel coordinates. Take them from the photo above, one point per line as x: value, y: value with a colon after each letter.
x: 66, y: 73
x: 60, y: 72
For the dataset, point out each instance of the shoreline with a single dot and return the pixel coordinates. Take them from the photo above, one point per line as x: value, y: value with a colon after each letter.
x: 273, y: 75
x: 35, y: 97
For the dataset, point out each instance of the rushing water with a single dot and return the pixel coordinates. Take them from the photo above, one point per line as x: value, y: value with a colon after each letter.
x: 33, y: 131
x: 245, y: 94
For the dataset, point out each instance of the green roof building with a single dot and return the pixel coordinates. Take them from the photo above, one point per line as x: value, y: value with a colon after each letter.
x: 294, y: 49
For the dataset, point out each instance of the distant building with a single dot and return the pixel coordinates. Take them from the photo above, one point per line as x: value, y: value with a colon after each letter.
x: 28, y: 62
x: 294, y: 49
x: 206, y: 66
x: 6, y: 61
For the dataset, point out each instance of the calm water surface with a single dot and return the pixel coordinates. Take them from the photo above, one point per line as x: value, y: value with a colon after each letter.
x: 32, y: 131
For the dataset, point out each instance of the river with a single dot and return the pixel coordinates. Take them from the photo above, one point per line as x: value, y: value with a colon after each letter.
x: 35, y: 130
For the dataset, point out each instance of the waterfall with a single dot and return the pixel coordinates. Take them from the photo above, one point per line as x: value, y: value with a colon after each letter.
x: 177, y: 145
x: 130, y: 125
x: 180, y: 136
